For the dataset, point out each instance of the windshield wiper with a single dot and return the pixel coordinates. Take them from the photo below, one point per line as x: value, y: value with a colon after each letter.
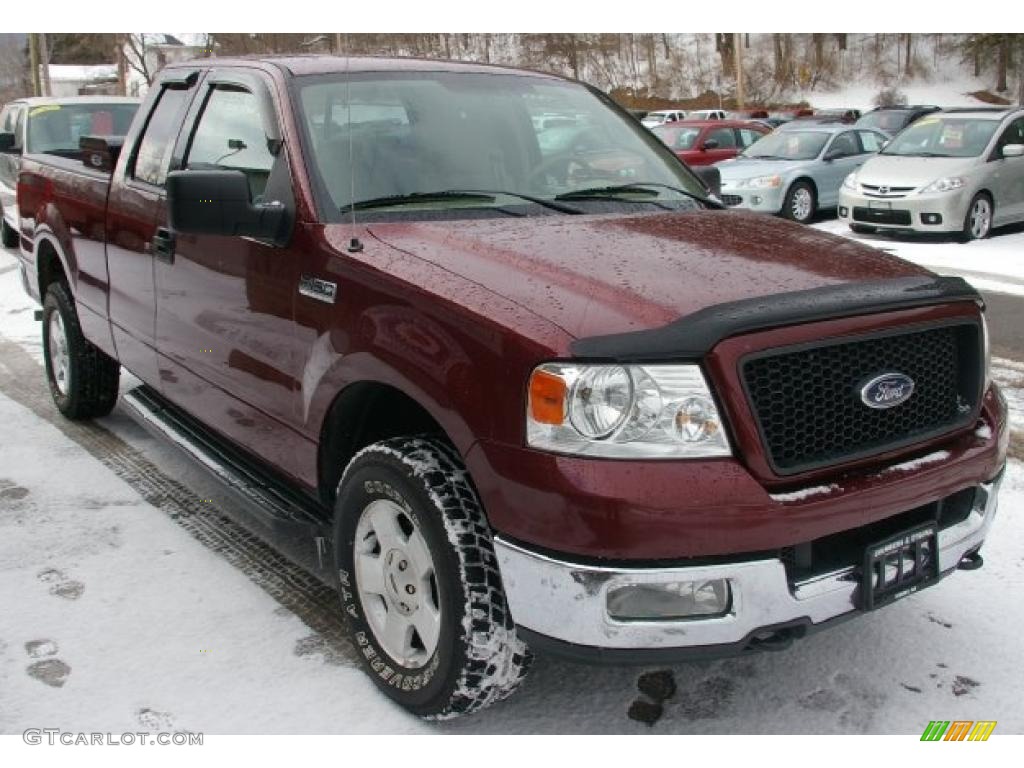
x: 475, y: 195
x: 642, y: 187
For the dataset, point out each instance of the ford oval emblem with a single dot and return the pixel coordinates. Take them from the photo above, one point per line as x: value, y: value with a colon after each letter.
x: 887, y: 390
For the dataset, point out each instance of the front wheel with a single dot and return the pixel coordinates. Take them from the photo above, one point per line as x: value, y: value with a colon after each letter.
x: 419, y: 580
x: 978, y: 221
x: 800, y: 203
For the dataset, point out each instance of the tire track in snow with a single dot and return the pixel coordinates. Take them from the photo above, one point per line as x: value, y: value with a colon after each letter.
x: 23, y: 380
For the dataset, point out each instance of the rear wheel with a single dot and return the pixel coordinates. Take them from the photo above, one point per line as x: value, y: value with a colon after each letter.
x: 978, y: 221
x: 83, y: 379
x: 801, y: 203
x: 419, y: 580
x: 862, y: 229
x: 8, y: 235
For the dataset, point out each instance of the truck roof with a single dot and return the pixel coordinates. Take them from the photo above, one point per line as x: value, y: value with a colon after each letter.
x: 322, y: 64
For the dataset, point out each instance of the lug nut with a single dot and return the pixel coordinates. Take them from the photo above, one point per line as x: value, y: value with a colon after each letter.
x: 402, y: 565
x: 410, y: 589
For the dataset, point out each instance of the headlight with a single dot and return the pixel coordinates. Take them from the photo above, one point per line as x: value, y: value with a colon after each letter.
x: 624, y: 411
x: 762, y: 182
x: 850, y: 182
x: 944, y: 185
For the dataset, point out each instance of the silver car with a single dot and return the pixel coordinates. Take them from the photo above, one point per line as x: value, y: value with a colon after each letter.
x: 954, y: 171
x: 797, y: 171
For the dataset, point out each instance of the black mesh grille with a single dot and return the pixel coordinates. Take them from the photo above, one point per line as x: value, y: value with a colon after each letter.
x: 808, y: 405
x: 732, y: 199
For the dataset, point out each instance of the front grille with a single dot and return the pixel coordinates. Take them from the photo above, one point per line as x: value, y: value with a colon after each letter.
x: 882, y: 216
x: 874, y: 190
x: 732, y: 199
x: 807, y: 400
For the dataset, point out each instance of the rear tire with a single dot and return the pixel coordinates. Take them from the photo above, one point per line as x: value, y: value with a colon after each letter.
x: 83, y: 379
x: 862, y: 229
x: 8, y: 235
x: 978, y: 220
x: 419, y: 580
x: 801, y: 203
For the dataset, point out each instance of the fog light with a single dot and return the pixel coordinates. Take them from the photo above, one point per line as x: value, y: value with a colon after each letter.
x: 844, y: 211
x: 931, y: 218
x: 670, y: 600
x: 755, y: 199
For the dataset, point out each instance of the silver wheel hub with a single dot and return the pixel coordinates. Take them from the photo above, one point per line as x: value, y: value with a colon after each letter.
x: 981, y: 218
x: 801, y: 205
x: 60, y: 360
x: 397, y: 583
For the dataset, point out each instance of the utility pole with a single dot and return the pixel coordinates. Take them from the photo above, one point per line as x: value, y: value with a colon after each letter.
x: 738, y: 54
x: 44, y: 59
x: 33, y: 57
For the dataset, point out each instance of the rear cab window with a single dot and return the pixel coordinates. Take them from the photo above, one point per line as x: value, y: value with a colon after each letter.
x: 153, y: 155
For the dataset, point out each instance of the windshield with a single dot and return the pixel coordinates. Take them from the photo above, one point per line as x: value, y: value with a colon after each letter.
x: 410, y: 133
x: 788, y: 145
x: 56, y: 128
x: 943, y: 137
x: 677, y: 137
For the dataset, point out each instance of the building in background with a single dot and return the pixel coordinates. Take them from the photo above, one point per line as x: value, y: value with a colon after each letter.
x: 144, y: 54
x: 83, y: 80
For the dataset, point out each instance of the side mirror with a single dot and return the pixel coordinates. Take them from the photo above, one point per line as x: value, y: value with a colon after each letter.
x: 834, y: 154
x: 710, y: 144
x: 712, y: 178
x: 7, y: 142
x: 218, y: 203
x: 1013, y: 150
x: 100, y: 152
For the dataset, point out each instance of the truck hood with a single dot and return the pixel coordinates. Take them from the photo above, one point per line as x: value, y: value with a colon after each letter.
x: 594, y: 275
x: 896, y: 171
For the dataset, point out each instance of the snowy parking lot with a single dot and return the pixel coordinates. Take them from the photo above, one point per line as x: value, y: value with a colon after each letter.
x: 131, y: 600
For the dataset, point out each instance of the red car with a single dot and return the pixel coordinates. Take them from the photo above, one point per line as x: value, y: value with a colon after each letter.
x: 705, y: 142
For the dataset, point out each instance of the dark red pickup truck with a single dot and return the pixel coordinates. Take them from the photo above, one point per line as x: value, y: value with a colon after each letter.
x: 507, y: 395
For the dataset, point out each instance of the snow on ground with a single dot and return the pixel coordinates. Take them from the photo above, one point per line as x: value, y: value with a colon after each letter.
x: 943, y: 93
x: 993, y: 264
x: 129, y: 601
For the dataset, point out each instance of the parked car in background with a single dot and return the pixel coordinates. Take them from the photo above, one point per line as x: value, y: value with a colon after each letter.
x: 706, y: 142
x: 960, y: 172
x: 892, y: 120
x: 51, y: 126
x: 791, y: 114
x: 771, y: 123
x: 707, y: 114
x: 662, y: 116
x: 797, y: 171
x: 845, y: 115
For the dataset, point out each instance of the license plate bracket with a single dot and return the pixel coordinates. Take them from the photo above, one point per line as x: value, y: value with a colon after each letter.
x: 900, y: 565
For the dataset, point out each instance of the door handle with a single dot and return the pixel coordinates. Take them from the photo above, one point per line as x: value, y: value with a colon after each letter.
x: 163, y: 245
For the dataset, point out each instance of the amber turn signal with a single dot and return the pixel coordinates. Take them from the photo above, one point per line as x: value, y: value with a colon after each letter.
x: 547, y: 398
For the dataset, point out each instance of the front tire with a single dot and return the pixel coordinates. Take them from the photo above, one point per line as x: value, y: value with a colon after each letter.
x: 978, y: 220
x: 83, y: 379
x: 419, y: 580
x: 801, y: 202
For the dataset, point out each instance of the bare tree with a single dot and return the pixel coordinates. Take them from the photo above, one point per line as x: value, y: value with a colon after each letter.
x: 135, y: 48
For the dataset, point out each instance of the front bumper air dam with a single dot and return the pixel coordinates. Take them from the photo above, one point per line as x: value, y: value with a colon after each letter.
x: 562, y: 606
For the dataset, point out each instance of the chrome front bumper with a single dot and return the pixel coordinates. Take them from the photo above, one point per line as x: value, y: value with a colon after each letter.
x: 567, y: 601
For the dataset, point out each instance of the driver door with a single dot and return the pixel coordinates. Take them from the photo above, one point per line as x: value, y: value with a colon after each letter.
x: 227, y: 348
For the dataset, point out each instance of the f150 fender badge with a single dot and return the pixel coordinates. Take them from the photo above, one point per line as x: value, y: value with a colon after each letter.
x: 318, y: 289
x: 887, y: 391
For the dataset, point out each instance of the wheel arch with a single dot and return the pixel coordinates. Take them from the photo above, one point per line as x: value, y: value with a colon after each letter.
x: 365, y: 412
x: 52, y: 265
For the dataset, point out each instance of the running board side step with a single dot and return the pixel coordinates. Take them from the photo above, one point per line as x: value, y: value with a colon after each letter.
x: 284, y: 517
